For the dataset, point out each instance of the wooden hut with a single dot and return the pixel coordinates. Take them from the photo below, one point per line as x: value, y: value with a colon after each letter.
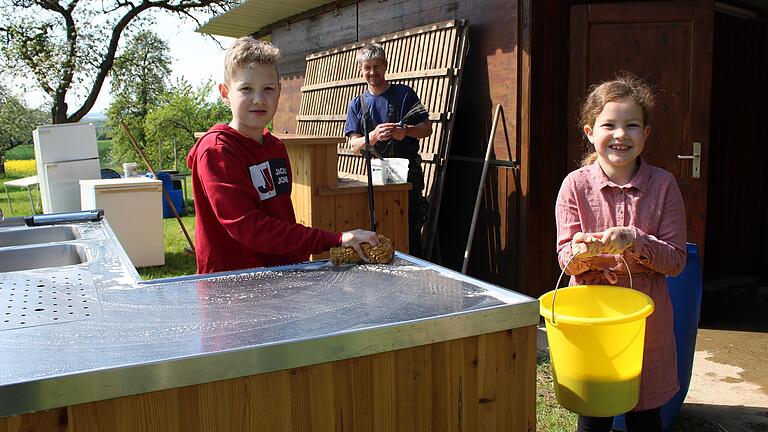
x: 537, y: 59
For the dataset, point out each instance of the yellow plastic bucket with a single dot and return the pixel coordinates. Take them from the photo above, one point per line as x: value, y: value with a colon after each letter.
x: 596, y: 346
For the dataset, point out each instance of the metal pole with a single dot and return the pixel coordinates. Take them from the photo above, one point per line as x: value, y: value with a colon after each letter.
x: 368, y: 150
x: 165, y: 192
x: 8, y: 197
x: 479, y: 198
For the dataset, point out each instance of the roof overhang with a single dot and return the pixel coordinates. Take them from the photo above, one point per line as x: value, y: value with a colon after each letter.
x: 252, y: 16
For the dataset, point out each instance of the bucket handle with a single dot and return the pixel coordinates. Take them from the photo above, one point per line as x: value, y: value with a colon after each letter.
x: 559, y: 279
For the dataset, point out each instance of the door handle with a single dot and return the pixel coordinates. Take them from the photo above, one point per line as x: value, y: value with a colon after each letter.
x: 695, y: 158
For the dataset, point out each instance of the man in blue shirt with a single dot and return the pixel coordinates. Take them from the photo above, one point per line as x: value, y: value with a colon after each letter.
x: 397, y: 121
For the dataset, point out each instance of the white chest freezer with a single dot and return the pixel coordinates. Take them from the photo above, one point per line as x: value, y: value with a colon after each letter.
x: 133, y: 207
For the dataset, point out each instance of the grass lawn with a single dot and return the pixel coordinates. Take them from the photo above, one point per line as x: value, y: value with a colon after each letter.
x: 19, y: 198
x: 20, y: 153
x: 178, y: 262
x: 550, y: 417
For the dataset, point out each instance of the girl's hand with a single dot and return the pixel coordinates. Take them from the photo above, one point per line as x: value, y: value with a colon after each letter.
x: 616, y: 240
x: 585, y: 245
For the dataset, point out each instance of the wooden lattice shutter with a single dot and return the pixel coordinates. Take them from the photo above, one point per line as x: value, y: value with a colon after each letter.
x: 429, y: 59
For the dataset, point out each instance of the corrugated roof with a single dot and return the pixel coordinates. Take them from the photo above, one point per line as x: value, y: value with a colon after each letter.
x: 253, y: 15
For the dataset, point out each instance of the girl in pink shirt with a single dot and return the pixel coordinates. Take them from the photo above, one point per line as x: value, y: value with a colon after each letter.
x: 619, y: 205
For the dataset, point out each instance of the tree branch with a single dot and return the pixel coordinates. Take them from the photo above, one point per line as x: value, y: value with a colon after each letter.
x: 109, y: 60
x: 67, y: 62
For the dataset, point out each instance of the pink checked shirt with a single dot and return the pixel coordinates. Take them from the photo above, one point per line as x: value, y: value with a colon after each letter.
x: 652, y: 205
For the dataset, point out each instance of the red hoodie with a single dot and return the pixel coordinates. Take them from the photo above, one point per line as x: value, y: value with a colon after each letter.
x: 245, y: 217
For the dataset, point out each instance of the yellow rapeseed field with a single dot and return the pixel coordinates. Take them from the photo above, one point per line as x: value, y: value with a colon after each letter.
x: 20, y: 168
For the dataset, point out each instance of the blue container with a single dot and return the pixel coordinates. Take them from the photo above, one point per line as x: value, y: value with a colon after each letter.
x: 177, y: 199
x: 685, y: 293
x: 166, y: 179
x: 176, y: 195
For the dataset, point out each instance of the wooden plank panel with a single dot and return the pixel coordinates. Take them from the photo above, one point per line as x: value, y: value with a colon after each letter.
x: 325, y: 164
x: 301, y: 193
x: 49, y: 420
x: 333, y: 82
x: 418, y: 58
x: 480, y: 383
x: 313, y: 401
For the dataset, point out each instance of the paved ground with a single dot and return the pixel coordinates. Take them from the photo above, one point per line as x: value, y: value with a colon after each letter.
x: 729, y: 382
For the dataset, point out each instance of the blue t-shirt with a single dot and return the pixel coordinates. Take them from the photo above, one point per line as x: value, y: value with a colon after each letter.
x: 388, y: 107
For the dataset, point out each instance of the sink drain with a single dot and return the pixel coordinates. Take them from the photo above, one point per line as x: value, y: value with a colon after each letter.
x: 31, y: 299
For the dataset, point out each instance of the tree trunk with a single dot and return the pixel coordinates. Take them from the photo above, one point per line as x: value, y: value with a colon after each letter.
x: 59, y: 113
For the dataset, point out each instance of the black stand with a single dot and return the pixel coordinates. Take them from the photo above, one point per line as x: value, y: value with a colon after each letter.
x: 368, y: 150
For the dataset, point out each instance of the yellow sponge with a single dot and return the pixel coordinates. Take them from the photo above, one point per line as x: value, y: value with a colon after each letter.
x: 382, y: 253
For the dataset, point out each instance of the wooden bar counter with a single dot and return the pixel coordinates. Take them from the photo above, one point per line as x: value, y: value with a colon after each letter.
x: 323, y: 200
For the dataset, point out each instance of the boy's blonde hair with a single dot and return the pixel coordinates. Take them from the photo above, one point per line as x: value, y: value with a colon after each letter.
x: 371, y: 51
x: 249, y: 51
x: 624, y: 85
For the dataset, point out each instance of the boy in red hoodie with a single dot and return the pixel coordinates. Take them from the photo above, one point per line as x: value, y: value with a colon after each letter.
x: 242, y: 177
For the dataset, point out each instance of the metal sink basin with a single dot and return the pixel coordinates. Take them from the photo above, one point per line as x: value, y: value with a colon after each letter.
x: 37, y: 257
x: 47, y: 234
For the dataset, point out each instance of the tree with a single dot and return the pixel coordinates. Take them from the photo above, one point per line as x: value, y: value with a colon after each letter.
x: 17, y: 121
x: 70, y: 47
x: 140, y: 77
x: 172, y: 123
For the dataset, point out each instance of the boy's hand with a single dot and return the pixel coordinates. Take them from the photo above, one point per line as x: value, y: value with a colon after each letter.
x: 585, y: 245
x: 354, y: 238
x: 616, y: 240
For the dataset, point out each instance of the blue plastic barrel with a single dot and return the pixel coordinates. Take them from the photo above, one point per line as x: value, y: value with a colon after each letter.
x: 178, y: 201
x: 166, y: 179
x: 176, y: 195
x: 685, y: 293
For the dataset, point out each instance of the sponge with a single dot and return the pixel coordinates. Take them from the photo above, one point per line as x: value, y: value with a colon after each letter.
x: 382, y: 253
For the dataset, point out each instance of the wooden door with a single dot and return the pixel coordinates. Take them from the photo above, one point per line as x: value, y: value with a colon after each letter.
x: 668, y: 43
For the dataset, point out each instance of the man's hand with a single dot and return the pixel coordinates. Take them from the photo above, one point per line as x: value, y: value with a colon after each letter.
x: 354, y: 238
x: 398, y: 132
x: 383, y: 132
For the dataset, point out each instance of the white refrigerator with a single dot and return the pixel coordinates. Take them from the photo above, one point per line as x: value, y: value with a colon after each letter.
x: 65, y: 154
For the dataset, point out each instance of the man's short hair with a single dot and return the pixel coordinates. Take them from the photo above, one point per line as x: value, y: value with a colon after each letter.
x: 369, y: 52
x: 248, y: 51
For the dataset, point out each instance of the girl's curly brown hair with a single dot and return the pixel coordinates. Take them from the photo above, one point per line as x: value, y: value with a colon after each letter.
x: 624, y: 85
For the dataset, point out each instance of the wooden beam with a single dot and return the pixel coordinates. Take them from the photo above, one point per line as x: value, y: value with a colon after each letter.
x: 441, y: 72
x: 387, y: 37
x: 433, y: 116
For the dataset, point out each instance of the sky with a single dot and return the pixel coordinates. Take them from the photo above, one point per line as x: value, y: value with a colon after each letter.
x: 194, y: 56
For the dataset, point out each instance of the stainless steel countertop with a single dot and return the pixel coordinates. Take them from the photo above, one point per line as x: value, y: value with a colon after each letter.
x: 115, y: 335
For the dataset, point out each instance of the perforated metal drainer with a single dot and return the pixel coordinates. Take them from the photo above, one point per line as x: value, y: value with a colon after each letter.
x: 31, y: 299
